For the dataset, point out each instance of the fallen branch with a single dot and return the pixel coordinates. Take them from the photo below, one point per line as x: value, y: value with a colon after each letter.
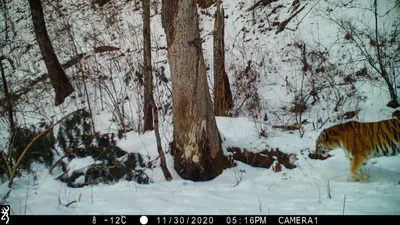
x: 70, y: 203
x: 58, y: 161
x: 287, y: 127
x: 283, y: 24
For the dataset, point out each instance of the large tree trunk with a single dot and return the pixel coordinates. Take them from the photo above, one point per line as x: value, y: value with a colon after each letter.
x: 222, y: 91
x: 59, y: 79
x: 147, y: 70
x: 196, y: 144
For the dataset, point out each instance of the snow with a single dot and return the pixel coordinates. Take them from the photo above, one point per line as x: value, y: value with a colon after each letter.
x: 314, y: 187
x: 80, y: 164
x: 237, y: 191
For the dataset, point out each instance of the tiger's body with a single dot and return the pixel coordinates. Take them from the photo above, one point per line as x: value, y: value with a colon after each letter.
x: 361, y: 141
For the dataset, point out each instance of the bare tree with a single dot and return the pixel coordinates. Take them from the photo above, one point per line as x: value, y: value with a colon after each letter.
x: 378, y: 48
x: 381, y: 70
x: 7, y: 97
x: 196, y: 144
x: 59, y: 79
x: 163, y: 162
x: 149, y: 103
x: 7, y: 100
x: 222, y: 91
x: 147, y: 70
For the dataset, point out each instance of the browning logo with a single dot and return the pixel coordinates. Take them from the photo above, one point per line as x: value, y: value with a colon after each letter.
x: 4, y: 212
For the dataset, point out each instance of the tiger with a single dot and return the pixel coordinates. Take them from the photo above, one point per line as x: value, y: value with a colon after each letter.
x: 361, y: 141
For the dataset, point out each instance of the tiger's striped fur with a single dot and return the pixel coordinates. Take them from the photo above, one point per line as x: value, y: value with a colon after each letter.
x: 361, y: 141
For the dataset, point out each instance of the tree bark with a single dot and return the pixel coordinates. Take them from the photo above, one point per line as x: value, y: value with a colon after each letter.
x: 147, y: 69
x: 196, y: 144
x: 222, y: 91
x: 59, y: 79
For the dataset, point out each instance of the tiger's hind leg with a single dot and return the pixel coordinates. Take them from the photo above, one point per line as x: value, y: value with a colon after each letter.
x: 356, y: 163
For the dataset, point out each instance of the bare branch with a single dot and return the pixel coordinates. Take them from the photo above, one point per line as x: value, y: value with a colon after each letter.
x: 283, y: 24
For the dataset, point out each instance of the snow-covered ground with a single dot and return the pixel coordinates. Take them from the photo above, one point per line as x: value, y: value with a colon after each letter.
x: 314, y: 187
x: 317, y: 187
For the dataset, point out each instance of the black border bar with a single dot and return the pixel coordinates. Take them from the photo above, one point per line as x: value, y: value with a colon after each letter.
x: 201, y: 219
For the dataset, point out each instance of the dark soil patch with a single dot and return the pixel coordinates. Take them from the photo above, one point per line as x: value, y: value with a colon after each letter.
x: 317, y: 156
x: 264, y: 159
